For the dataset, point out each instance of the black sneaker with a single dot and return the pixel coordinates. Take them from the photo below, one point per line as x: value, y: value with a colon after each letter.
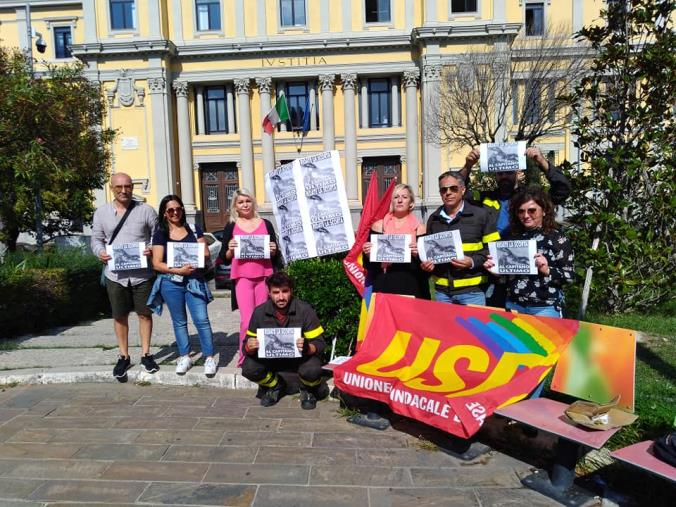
x: 123, y: 364
x: 307, y: 400
x: 148, y: 362
x: 273, y: 394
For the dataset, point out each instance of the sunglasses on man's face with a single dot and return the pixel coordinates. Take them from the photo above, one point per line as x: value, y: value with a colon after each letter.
x: 523, y: 211
x: 172, y: 211
x: 120, y: 188
x: 453, y: 188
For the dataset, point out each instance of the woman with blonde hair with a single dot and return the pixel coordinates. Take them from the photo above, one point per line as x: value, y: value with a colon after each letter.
x: 399, y: 278
x: 248, y: 275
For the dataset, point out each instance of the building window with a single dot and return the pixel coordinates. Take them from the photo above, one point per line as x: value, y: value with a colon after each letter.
x: 535, y: 19
x: 297, y: 100
x: 532, y: 103
x: 380, y: 103
x: 62, y: 42
x: 377, y: 11
x: 292, y: 12
x: 463, y: 6
x: 122, y: 14
x: 214, y: 106
x: 387, y: 169
x: 208, y: 14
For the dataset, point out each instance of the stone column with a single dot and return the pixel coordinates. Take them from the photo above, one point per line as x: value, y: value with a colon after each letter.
x: 184, y: 147
x: 395, y: 101
x: 242, y: 88
x: 364, y: 103
x: 326, y: 87
x: 163, y: 137
x: 313, y: 108
x: 431, y: 149
x: 199, y: 98
x: 411, y: 78
x: 264, y: 89
x: 349, y: 84
x: 230, y: 106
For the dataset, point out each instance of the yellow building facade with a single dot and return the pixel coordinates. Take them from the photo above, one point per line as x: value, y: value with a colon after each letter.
x: 188, y: 82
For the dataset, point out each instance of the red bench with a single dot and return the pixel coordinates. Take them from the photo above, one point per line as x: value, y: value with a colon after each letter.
x: 641, y: 455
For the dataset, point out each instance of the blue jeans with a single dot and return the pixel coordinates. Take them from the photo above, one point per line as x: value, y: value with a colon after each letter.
x: 540, y: 311
x: 176, y: 296
x: 467, y: 298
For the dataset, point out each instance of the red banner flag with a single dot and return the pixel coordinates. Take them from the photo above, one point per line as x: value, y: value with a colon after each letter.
x: 373, y: 210
x: 451, y: 366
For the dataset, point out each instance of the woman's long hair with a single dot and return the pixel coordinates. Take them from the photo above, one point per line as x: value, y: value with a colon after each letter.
x: 237, y: 193
x: 162, y: 223
x: 537, y: 194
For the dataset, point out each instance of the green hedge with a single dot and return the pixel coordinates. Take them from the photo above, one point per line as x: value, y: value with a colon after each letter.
x: 322, y: 282
x: 38, y: 291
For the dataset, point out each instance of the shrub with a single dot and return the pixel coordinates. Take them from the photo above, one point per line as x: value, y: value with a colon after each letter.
x: 50, y: 289
x: 323, y: 283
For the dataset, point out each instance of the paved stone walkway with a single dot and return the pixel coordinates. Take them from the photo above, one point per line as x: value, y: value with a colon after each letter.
x: 125, y: 444
x: 71, y: 435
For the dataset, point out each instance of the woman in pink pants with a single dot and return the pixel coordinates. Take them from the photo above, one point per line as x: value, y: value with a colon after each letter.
x: 248, y: 275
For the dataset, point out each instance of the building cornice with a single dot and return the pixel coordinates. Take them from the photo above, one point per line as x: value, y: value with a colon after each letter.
x: 146, y: 47
x: 445, y: 31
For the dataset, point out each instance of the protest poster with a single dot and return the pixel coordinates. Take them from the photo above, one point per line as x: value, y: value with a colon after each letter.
x: 180, y: 254
x: 390, y: 248
x: 310, y: 207
x: 278, y: 342
x: 441, y: 247
x: 500, y: 157
x: 127, y: 256
x: 252, y: 246
x: 515, y: 257
x: 454, y: 370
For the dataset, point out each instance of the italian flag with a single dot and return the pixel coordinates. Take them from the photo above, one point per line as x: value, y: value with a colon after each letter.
x: 279, y: 113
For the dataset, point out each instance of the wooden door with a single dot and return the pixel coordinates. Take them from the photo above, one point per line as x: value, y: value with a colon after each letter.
x: 219, y: 182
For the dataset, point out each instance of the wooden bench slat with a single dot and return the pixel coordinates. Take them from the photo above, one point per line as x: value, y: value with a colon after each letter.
x: 548, y: 415
x: 641, y: 455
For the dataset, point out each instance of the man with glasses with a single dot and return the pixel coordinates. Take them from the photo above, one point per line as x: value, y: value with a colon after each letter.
x: 461, y: 281
x: 128, y: 290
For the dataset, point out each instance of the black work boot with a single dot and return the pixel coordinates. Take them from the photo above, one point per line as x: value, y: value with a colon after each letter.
x: 273, y: 394
x: 308, y: 401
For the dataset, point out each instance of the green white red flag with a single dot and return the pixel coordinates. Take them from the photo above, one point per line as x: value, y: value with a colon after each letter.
x: 276, y: 115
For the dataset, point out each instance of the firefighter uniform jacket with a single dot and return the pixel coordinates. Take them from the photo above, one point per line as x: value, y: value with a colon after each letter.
x: 477, y: 226
x: 301, y: 315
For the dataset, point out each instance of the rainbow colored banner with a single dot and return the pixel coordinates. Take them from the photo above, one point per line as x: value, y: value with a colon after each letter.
x: 451, y: 366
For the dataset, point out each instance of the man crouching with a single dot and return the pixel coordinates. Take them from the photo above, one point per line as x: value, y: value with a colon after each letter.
x: 282, y: 310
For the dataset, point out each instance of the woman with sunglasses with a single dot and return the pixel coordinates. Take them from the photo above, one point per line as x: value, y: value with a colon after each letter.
x: 531, y: 216
x: 182, y: 286
x: 248, y: 275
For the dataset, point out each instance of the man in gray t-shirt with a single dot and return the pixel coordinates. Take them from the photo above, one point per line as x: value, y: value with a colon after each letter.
x: 128, y: 290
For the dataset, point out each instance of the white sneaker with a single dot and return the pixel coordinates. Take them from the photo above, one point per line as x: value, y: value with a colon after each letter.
x: 210, y: 366
x: 183, y: 365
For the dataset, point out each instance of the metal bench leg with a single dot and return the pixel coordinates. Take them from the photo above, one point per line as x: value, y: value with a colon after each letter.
x: 559, y: 484
x: 463, y: 449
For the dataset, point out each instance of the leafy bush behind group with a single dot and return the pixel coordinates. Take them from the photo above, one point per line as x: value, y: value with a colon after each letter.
x: 49, y: 289
x: 322, y: 283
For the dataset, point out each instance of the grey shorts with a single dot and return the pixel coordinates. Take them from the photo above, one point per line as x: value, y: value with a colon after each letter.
x: 131, y: 298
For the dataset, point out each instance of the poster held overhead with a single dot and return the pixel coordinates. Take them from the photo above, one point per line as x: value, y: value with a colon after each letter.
x: 500, y: 157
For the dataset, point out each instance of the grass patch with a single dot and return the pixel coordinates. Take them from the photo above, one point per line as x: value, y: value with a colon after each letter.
x: 8, y: 345
x: 426, y: 445
x: 142, y: 383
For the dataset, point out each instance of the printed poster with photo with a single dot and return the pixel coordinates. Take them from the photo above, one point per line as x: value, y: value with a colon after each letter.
x: 278, y: 342
x: 310, y: 207
x: 127, y: 256
x: 499, y: 157
x: 252, y: 246
x: 513, y: 257
x: 390, y: 248
x: 441, y: 247
x: 180, y: 254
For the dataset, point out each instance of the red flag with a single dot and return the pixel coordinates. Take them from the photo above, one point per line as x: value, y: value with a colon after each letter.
x: 373, y: 210
x: 451, y: 366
